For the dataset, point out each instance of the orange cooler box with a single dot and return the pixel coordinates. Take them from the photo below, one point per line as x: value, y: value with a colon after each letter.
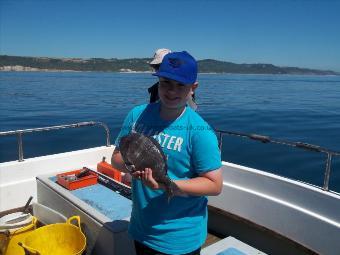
x: 107, y: 169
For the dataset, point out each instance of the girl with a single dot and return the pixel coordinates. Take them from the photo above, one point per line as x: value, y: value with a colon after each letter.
x: 193, y: 158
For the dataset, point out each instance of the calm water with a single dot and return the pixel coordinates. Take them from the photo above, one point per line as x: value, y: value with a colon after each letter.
x: 296, y: 108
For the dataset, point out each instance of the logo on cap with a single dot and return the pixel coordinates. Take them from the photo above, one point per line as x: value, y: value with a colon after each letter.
x: 176, y: 62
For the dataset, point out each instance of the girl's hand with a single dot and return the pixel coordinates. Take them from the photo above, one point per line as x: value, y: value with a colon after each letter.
x: 146, y: 177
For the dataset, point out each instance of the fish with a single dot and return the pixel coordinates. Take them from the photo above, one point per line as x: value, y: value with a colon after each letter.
x: 139, y: 152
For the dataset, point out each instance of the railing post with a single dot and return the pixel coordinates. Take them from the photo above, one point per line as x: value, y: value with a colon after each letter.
x: 107, y: 130
x: 327, y: 171
x: 20, y: 150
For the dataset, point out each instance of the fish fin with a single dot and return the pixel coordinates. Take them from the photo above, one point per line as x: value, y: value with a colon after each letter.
x: 169, y: 188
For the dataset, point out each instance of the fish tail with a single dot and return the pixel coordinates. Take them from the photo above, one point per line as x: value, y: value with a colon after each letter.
x: 169, y: 189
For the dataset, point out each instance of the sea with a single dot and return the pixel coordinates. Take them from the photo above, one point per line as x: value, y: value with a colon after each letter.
x: 293, y: 108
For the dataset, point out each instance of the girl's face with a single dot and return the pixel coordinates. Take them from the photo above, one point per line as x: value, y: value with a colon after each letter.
x: 173, y: 94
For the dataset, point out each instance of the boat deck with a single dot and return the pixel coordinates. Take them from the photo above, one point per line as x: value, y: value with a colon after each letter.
x: 101, y: 206
x: 211, y: 239
x: 112, y: 207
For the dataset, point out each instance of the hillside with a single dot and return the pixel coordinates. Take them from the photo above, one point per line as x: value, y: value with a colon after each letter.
x: 16, y: 63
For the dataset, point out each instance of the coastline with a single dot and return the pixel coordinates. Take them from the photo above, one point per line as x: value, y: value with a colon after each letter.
x: 18, y: 68
x: 141, y: 65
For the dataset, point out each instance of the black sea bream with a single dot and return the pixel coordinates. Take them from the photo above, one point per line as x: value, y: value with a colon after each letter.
x: 139, y: 152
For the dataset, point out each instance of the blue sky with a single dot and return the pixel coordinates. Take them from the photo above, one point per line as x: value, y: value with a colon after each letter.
x: 283, y: 33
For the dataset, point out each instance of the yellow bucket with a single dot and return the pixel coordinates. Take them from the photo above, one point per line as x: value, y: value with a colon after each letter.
x: 9, y: 243
x: 56, y: 239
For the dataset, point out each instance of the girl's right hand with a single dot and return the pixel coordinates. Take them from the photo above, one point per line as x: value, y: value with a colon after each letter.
x: 146, y: 177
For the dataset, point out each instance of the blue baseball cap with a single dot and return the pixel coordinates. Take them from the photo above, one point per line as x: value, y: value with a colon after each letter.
x: 178, y: 66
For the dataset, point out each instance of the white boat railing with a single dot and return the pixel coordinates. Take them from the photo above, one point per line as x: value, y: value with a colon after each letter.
x: 305, y: 146
x: 20, y: 133
x: 261, y: 138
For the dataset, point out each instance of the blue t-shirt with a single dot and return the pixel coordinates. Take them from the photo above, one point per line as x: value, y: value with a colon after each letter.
x: 191, y: 148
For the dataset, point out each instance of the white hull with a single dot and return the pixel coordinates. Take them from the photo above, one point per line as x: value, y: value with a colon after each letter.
x: 300, y: 212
